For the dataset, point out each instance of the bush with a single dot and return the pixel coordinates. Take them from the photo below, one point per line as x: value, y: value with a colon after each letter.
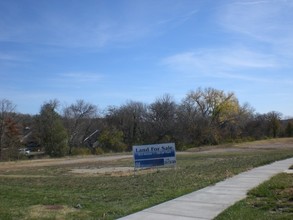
x: 98, y: 151
x: 111, y: 140
x: 81, y: 151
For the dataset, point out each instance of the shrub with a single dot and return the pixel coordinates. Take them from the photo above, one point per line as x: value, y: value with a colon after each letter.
x: 81, y: 151
x: 112, y: 140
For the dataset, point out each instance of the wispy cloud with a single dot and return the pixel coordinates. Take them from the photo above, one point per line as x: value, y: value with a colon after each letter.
x: 79, y: 78
x: 72, y: 27
x: 246, y: 58
x: 267, y: 21
x: 8, y: 57
x: 82, y: 76
x: 217, y: 61
x: 262, y: 35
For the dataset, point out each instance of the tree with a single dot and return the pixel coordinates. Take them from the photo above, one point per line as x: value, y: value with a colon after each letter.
x: 52, y: 133
x: 111, y: 140
x: 188, y: 132
x: 130, y: 119
x: 11, y: 139
x: 214, y: 110
x: 289, y: 129
x: 274, y: 123
x: 162, y: 119
x: 78, y: 119
x: 6, y: 110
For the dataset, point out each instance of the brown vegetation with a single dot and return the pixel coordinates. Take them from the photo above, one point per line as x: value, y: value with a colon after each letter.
x: 204, y: 117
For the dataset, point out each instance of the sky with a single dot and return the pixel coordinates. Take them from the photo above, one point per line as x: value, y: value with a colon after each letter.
x: 109, y: 52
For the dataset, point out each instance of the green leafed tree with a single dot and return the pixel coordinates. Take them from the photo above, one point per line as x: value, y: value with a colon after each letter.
x: 52, y: 134
x: 111, y: 139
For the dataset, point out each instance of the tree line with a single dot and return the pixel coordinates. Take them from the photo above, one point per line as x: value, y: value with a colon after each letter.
x: 204, y: 117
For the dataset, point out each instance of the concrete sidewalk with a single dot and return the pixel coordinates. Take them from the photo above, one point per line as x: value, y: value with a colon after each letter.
x: 208, y: 202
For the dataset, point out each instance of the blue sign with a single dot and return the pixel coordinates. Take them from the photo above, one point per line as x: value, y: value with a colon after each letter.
x: 154, y: 155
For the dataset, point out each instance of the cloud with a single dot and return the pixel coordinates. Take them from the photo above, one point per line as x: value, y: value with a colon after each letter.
x: 71, y: 81
x: 95, y: 24
x: 79, y: 78
x: 268, y: 21
x: 8, y: 57
x: 219, y: 60
x: 82, y: 76
x: 246, y: 58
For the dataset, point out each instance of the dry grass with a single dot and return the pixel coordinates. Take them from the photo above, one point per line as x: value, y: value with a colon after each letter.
x: 57, y: 212
x: 269, y: 144
x: 49, y: 190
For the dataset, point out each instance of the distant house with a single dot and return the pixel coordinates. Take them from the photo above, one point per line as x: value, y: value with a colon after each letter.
x: 28, y: 140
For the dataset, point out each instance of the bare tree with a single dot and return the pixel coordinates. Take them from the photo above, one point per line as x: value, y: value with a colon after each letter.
x: 289, y: 129
x: 130, y: 119
x: 162, y: 119
x: 274, y: 123
x: 189, y: 126
x: 6, y: 110
x: 78, y: 121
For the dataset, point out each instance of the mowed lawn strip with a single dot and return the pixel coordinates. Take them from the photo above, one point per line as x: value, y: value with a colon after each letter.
x: 271, y: 200
x: 56, y: 193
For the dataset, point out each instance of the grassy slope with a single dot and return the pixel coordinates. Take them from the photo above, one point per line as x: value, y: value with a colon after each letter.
x: 106, y: 197
x: 271, y: 200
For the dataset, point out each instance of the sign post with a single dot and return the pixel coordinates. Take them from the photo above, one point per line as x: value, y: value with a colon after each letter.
x: 154, y: 155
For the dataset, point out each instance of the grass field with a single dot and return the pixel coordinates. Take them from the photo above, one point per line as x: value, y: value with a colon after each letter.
x: 54, y: 192
x: 271, y: 200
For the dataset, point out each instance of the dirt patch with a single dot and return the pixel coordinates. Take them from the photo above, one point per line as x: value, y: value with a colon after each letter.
x: 57, y: 212
x: 111, y: 171
x: 114, y: 171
